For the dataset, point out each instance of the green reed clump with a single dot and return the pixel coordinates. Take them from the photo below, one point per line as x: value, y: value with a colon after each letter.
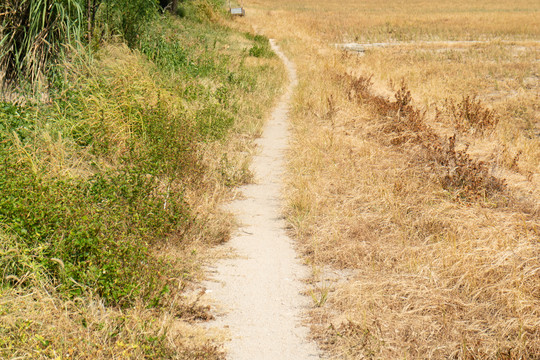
x: 35, y: 34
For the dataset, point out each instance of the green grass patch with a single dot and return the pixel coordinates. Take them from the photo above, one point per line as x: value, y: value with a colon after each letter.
x: 261, y: 47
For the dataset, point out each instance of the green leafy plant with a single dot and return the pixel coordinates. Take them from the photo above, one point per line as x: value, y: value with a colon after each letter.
x: 129, y: 18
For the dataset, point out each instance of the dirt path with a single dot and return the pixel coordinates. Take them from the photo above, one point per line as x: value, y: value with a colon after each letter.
x: 260, y: 289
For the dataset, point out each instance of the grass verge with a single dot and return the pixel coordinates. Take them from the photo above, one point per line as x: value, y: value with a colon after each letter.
x: 110, y: 191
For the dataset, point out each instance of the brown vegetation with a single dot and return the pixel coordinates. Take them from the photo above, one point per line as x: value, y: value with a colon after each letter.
x: 425, y: 197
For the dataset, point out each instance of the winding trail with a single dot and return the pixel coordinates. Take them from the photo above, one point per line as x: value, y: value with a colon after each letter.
x: 260, y: 289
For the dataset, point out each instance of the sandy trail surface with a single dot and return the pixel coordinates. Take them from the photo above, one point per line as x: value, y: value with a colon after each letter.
x: 258, y: 292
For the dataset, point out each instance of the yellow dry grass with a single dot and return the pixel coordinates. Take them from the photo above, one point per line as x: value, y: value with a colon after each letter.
x: 38, y: 325
x: 432, y: 271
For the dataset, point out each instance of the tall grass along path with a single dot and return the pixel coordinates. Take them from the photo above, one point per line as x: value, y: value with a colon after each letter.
x: 260, y: 289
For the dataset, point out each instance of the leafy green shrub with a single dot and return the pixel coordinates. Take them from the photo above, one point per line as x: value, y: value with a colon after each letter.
x: 93, y: 234
x: 164, y: 53
x: 14, y: 121
x: 181, y: 11
x: 87, y: 235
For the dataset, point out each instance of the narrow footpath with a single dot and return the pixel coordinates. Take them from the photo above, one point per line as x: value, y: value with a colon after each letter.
x: 259, y: 290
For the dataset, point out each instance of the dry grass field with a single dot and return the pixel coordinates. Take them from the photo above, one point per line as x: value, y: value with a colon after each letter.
x: 415, y: 172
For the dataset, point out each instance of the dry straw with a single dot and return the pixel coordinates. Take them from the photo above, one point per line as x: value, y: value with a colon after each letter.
x: 441, y: 233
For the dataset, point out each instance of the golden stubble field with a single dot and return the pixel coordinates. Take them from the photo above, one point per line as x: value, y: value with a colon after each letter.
x: 414, y: 170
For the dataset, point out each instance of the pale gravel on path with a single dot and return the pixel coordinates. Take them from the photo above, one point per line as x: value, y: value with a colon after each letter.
x: 260, y: 289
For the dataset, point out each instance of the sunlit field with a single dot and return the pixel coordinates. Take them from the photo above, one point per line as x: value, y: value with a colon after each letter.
x: 415, y: 173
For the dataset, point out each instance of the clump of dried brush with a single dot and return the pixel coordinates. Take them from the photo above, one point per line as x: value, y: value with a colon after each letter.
x: 404, y: 125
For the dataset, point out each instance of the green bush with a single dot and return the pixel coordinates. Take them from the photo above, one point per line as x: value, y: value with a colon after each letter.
x: 261, y: 48
x: 99, y: 228
x: 166, y: 54
x: 181, y: 11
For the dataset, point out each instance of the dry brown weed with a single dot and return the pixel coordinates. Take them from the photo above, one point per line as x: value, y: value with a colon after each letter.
x: 444, y: 255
